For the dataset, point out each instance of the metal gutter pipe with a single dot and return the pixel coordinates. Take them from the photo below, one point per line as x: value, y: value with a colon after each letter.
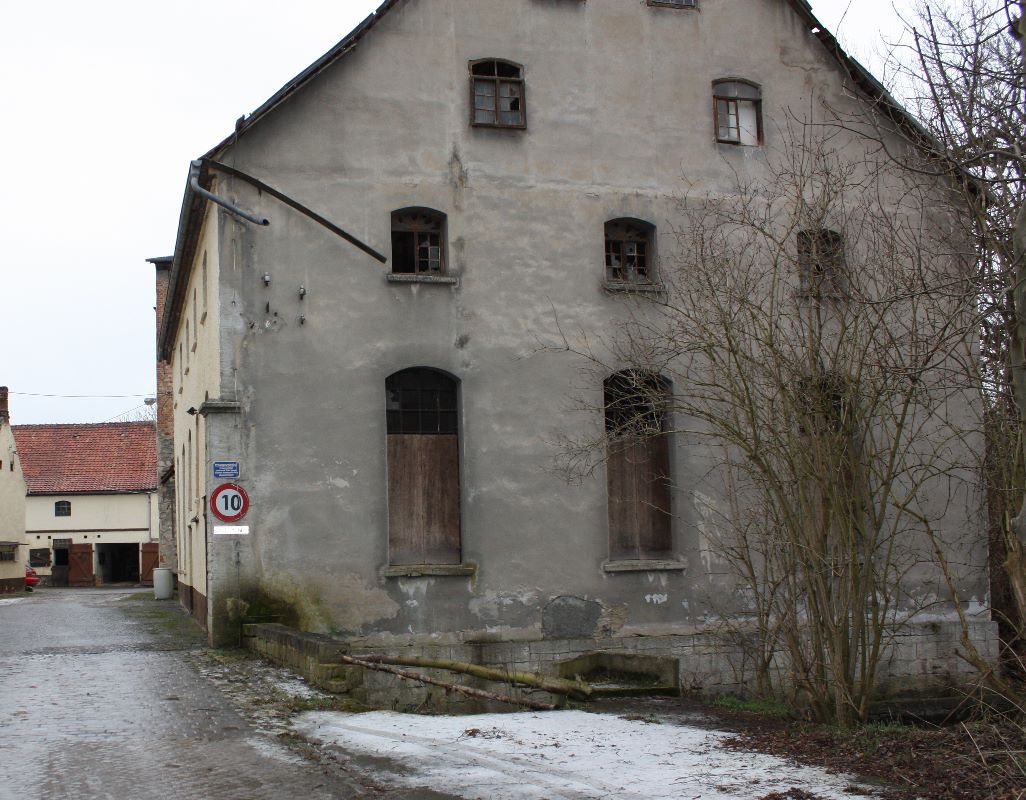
x: 213, y: 198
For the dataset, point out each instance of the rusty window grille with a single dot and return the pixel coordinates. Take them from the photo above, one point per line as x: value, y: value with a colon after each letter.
x: 738, y: 112
x: 497, y: 94
x: 418, y: 241
x: 62, y: 508
x: 821, y: 262
x: 7, y: 553
x: 636, y: 403
x: 420, y: 401
x: 629, y: 251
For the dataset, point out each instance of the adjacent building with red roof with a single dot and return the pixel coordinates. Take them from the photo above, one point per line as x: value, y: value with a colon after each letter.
x: 91, y: 511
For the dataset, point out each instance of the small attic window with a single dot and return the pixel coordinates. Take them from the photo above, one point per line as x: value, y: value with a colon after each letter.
x: 497, y: 94
x: 738, y: 110
x: 62, y: 508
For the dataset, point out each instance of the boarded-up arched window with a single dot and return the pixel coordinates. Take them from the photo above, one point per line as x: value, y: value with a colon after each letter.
x: 638, y: 465
x: 423, y: 467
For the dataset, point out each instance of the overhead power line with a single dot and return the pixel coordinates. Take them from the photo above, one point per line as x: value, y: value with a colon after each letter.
x: 85, y: 396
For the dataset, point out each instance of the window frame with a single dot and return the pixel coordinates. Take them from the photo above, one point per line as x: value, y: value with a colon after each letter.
x: 636, y: 409
x: 733, y: 91
x: 424, y: 473
x: 686, y: 5
x: 646, y: 234
x: 498, y: 82
x: 429, y: 217
x: 62, y: 508
x: 821, y: 262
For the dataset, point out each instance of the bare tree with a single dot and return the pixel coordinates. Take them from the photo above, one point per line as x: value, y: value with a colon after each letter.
x: 965, y: 82
x: 817, y: 330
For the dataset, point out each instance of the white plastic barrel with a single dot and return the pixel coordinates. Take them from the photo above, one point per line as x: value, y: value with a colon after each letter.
x: 163, y: 583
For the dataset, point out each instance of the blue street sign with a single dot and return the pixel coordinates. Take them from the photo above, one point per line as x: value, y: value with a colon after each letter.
x: 226, y: 469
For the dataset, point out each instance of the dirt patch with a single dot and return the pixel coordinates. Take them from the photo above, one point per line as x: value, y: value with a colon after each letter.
x: 976, y: 759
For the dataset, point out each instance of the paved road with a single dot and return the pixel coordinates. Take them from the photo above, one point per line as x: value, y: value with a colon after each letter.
x: 100, y: 698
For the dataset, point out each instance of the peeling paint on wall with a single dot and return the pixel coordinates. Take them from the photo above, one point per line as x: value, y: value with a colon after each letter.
x: 494, y: 606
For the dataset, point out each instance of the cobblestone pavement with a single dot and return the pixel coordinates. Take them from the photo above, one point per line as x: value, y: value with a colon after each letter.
x: 104, y: 693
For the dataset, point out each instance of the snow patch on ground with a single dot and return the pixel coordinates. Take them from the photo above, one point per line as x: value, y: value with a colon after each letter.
x: 273, y: 750
x: 564, y: 755
x: 285, y: 682
x: 7, y: 601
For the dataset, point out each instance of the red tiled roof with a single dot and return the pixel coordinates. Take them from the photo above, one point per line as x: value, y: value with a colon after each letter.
x: 109, y: 457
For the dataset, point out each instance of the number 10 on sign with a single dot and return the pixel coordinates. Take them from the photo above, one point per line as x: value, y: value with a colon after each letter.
x: 229, y: 502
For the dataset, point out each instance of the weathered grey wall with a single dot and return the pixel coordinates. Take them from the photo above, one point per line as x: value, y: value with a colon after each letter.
x: 618, y: 107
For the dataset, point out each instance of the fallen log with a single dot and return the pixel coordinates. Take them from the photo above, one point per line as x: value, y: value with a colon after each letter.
x: 579, y: 690
x: 455, y: 687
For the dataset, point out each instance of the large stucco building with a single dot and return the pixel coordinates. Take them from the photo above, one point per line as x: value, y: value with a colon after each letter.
x: 13, y: 554
x: 516, y: 164
x: 90, y: 516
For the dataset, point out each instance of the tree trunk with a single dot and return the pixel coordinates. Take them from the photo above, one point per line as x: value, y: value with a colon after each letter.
x: 1015, y: 564
x: 454, y: 687
x: 576, y: 689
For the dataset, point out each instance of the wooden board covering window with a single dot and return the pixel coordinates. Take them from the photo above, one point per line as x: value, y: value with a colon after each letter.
x: 637, y: 474
x: 423, y: 499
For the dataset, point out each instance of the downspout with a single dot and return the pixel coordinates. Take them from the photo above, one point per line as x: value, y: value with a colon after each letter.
x: 194, y: 184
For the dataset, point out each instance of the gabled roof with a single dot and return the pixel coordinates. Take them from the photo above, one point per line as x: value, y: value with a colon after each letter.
x: 193, y: 204
x: 70, y: 459
x: 859, y: 75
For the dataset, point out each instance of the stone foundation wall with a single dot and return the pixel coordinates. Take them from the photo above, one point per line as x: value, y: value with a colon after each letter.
x: 921, y: 657
x: 12, y: 585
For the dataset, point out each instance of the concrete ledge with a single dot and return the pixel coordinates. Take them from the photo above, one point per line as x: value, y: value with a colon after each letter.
x: 414, y: 277
x: 430, y: 570
x: 644, y: 565
x: 220, y: 407
x: 633, y: 288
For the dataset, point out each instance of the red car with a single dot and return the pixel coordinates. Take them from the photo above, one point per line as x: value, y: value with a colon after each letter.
x: 31, y: 578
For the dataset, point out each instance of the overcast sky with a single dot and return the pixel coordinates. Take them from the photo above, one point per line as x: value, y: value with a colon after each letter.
x: 104, y: 105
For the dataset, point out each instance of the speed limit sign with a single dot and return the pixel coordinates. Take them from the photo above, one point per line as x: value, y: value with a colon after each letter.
x: 229, y: 502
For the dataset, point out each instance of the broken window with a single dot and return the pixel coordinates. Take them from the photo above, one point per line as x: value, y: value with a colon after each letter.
x: 638, y: 465
x: 629, y: 251
x: 738, y: 112
x: 418, y: 241
x: 821, y: 262
x: 423, y: 467
x: 62, y: 508
x: 39, y: 557
x: 497, y: 94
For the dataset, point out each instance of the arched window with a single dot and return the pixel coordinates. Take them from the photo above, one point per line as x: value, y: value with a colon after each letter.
x: 423, y: 467
x: 418, y: 241
x: 497, y: 94
x: 638, y: 465
x: 738, y: 108
x: 62, y: 508
x: 630, y: 251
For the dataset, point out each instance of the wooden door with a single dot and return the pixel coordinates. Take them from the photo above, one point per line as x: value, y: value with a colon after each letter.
x: 423, y: 499
x: 637, y: 475
x: 150, y: 557
x: 80, y: 565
